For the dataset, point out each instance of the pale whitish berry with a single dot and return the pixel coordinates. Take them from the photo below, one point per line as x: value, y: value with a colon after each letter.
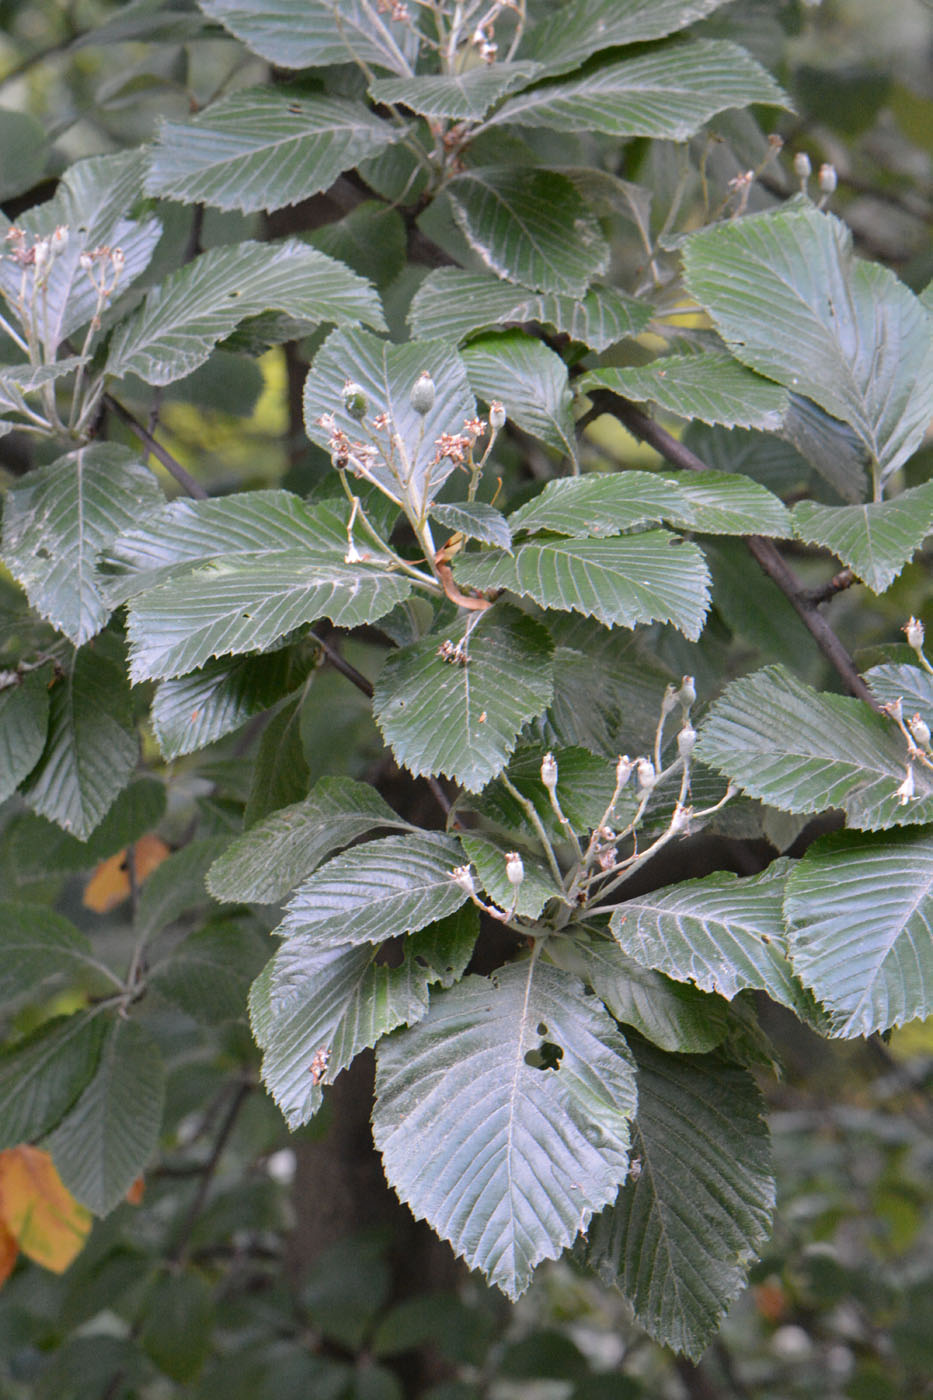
x: 686, y: 740
x: 421, y: 395
x: 496, y: 415
x: 549, y: 771
x: 913, y: 630
x: 623, y: 769
x: 687, y: 693
x: 59, y: 239
x: 514, y: 868
x: 802, y: 167
x: 85, y: 262
x: 118, y: 260
x: 41, y: 254
x: 906, y: 790
x: 895, y: 708
x: 354, y: 400
x: 669, y: 700
x: 462, y: 876
x: 920, y: 730
x: 680, y: 819
x: 827, y: 178
x: 646, y: 774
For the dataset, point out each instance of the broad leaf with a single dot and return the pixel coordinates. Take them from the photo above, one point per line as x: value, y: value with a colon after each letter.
x: 831, y: 447
x: 248, y: 605
x: 272, y: 857
x: 91, y: 747
x: 791, y: 301
x: 581, y: 27
x: 488, y: 855
x: 40, y: 1217
x: 91, y: 202
x: 377, y: 891
x: 475, y: 520
x: 585, y: 785
x: 190, y: 712
x: 108, y: 1136
x: 208, y: 974
x: 19, y: 382
x: 334, y: 1002
x: 721, y: 933
x: 303, y: 33
x: 622, y: 684
x: 177, y: 886
x: 620, y: 581
x: 36, y: 943
x: 24, y: 718
x: 875, y: 540
x: 910, y: 684
x: 38, y: 847
x: 506, y: 1160
x: 803, y: 751
x: 58, y: 519
x: 718, y: 503
x: 181, y: 321
x: 670, y: 1014
x: 861, y: 927
x: 529, y: 380
x: 451, y: 304
x: 385, y: 374
x: 43, y: 1074
x: 712, y: 387
x: 280, y: 773
x: 530, y: 226
x: 668, y: 93
x: 600, y: 503
x: 249, y: 525
x: 680, y: 1238
x: 261, y: 149
x: 441, y: 716
x: 465, y: 96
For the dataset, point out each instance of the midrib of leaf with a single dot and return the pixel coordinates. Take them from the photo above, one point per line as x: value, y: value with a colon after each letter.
x: 518, y: 1061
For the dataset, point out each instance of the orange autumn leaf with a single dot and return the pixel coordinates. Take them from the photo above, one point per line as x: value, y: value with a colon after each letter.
x: 43, y: 1218
x: 110, y: 883
x: 136, y: 1192
x: 9, y: 1250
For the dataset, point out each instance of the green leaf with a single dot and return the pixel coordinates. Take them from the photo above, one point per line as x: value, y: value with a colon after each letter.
x: 271, y: 858
x: 861, y: 927
x: 463, y: 720
x: 530, y: 226
x: 261, y: 149
x: 58, y: 519
x: 620, y: 581
x: 376, y: 891
x: 908, y: 683
x: 177, y: 885
x: 107, y: 1138
x: 179, y: 1321
x: 91, y: 200
x: 623, y: 684
x: 371, y: 239
x: 874, y: 540
x: 190, y: 712
x: 581, y: 27
x: 180, y: 321
x: 488, y: 854
x: 386, y: 373
x: 714, y: 388
x: 718, y: 503
x: 91, y: 748
x: 280, y: 769
x: 506, y: 1160
x: 17, y: 382
x: 465, y: 96
x: 36, y: 943
x: 791, y: 301
x: 680, y: 1238
x: 340, y: 1000
x: 530, y: 381
x: 249, y: 525
x: 803, y: 751
x: 24, y: 149
x: 585, y: 786
x: 670, y: 1014
x: 451, y: 304
x: 303, y: 34
x: 208, y: 974
x: 832, y: 448
x: 224, y: 608
x: 42, y: 1075
x: 475, y: 520
x: 38, y: 847
x: 720, y: 933
x: 24, y: 718
x: 668, y: 93
x: 600, y: 503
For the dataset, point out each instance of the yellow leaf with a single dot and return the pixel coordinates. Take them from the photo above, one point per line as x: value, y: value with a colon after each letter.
x: 110, y: 883
x: 44, y: 1219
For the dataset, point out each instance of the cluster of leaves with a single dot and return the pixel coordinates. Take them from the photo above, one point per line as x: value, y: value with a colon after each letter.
x: 596, y: 1087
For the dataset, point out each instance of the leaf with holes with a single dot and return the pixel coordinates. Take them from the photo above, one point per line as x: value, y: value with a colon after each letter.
x: 460, y: 713
x: 333, y: 1002
x: 860, y: 910
x: 679, y: 1240
x: 802, y: 751
x: 504, y: 1159
x: 874, y: 540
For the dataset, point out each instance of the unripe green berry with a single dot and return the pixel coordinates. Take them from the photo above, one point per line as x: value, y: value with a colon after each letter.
x: 354, y: 400
x: 421, y: 396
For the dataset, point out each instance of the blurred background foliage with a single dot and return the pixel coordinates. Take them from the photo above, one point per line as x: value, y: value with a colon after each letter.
x: 204, y: 1289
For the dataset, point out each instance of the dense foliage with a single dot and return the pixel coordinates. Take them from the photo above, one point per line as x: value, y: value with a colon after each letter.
x: 553, y: 764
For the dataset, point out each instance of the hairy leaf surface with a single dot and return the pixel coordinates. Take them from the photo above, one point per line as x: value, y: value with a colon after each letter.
x: 874, y: 540
x: 711, y: 387
x: 529, y: 380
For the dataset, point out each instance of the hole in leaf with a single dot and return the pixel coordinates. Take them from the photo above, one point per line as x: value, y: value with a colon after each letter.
x: 546, y: 1056
x: 542, y: 1028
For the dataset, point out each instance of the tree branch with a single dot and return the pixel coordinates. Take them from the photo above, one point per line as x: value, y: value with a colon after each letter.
x: 243, y: 1090
x: 764, y: 551
x: 174, y: 468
